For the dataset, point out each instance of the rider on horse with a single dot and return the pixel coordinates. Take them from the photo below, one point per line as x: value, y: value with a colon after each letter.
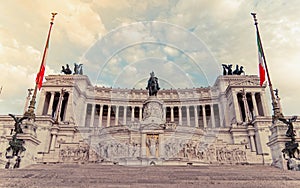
x: 152, y: 86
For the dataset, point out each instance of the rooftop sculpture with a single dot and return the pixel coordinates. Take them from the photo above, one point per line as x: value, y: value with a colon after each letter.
x: 77, y: 69
x: 227, y: 70
x: 66, y: 70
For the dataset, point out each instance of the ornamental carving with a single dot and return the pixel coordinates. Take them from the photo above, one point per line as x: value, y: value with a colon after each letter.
x: 194, y: 150
x: 74, y: 154
x: 153, y: 110
x: 109, y: 151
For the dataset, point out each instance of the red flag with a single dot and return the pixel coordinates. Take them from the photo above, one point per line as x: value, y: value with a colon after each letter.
x: 262, y: 72
x: 40, y: 75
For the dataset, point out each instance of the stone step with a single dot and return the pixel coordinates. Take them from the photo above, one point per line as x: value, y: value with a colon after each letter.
x: 96, y: 175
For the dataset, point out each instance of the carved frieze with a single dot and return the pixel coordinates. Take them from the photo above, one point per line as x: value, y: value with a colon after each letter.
x: 78, y: 153
x: 197, y: 151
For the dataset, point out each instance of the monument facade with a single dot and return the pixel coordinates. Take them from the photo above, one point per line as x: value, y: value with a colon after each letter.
x: 76, y: 122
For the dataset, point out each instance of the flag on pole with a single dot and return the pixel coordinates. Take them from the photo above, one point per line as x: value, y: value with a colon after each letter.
x: 40, y: 75
x: 262, y: 72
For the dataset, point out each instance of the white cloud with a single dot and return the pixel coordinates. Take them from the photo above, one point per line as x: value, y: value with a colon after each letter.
x: 15, y: 81
x: 225, y: 29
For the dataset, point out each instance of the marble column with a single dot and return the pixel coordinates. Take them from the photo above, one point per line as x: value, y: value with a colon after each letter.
x: 188, y: 121
x: 204, y: 116
x: 54, y: 132
x: 108, y: 116
x: 180, y: 115
x: 125, y: 115
x: 68, y: 106
x: 255, y: 111
x: 92, y: 115
x: 252, y: 142
x: 100, y: 115
x: 264, y: 104
x: 49, y: 110
x: 58, y: 108
x: 117, y: 116
x: 236, y: 107
x: 251, y: 134
x: 221, y: 115
x: 224, y: 111
x: 212, y: 116
x: 53, y: 141
x: 42, y: 102
x: 165, y: 113
x: 132, y: 113
x: 196, y: 116
x: 141, y: 114
x: 84, y: 115
x: 246, y: 108
x: 172, y: 113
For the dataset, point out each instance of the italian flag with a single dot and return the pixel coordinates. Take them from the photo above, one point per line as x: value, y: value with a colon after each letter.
x: 40, y: 74
x: 261, y: 61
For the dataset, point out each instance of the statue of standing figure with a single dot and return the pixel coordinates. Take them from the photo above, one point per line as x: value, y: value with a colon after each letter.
x: 152, y: 143
x: 153, y: 86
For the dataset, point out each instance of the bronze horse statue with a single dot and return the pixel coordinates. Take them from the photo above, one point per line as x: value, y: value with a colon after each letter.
x: 153, y: 86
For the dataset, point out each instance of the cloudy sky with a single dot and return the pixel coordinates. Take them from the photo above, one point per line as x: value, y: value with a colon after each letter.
x: 120, y: 41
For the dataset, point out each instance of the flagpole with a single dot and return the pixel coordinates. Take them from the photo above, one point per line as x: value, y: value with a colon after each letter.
x: 30, y: 112
x: 276, y: 108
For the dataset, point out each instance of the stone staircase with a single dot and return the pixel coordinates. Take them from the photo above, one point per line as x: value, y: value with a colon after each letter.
x: 97, y: 175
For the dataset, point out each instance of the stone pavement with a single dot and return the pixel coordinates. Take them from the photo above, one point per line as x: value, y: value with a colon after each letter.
x: 96, y: 175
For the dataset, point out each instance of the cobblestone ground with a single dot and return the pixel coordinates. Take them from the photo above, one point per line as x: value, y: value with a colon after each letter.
x: 95, y: 175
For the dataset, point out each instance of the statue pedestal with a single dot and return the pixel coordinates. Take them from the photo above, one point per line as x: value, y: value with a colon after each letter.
x: 276, y: 143
x: 153, y: 111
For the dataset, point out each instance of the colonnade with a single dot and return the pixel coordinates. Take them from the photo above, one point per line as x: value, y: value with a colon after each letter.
x: 248, y: 105
x: 105, y: 115
x: 55, y: 104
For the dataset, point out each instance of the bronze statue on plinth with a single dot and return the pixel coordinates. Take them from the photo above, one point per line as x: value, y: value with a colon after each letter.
x: 15, y: 145
x: 153, y: 86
